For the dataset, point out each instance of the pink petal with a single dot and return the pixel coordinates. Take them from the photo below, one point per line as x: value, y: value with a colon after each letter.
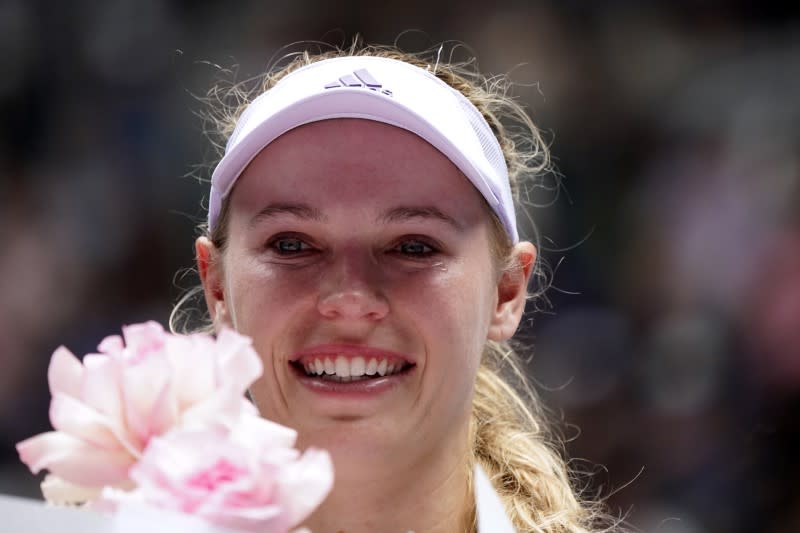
x: 65, y: 373
x: 147, y: 397
x: 164, y: 414
x: 256, y: 519
x: 101, y: 386
x: 70, y: 416
x: 221, y: 409
x: 248, y: 408
x: 193, y: 359
x: 74, y: 460
x: 305, y: 483
x: 260, y: 433
x: 33, y: 450
x: 240, y: 365
x: 145, y: 337
x: 112, y: 345
x: 170, y: 461
x: 97, y: 360
x: 163, y: 463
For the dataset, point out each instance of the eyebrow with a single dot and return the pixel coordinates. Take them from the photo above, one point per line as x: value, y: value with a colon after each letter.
x: 296, y: 210
x: 402, y: 214
x: 396, y: 214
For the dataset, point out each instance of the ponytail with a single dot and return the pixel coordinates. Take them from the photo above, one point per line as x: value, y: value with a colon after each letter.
x: 511, y: 441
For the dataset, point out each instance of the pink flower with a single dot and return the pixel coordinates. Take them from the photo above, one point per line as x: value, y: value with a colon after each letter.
x: 107, y: 409
x: 250, y: 478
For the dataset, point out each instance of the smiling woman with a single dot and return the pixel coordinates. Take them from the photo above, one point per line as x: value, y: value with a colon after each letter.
x: 362, y: 231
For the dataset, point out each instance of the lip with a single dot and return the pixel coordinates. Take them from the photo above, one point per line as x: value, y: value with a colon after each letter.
x: 353, y: 389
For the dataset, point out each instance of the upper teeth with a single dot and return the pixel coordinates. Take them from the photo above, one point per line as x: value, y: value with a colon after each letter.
x: 356, y: 367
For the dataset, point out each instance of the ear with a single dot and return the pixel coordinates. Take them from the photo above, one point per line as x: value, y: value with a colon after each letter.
x: 512, y: 292
x: 209, y: 265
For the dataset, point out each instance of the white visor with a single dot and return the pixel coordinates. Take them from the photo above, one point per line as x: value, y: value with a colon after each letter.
x: 379, y: 89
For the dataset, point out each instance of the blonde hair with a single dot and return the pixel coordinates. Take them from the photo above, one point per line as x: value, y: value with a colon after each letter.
x: 510, y: 435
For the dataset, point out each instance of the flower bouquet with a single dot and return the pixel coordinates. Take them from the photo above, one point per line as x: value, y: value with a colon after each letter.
x: 156, y: 427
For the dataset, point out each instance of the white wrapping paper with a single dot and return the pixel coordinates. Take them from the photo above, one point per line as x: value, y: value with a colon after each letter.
x: 492, y: 517
x: 18, y: 515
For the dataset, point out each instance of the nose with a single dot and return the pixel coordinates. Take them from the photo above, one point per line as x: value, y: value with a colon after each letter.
x: 353, y: 291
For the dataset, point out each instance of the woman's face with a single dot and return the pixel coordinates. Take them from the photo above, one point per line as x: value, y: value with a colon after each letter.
x: 358, y: 261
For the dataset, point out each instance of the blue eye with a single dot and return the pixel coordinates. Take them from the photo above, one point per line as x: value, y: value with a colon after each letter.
x: 415, y: 248
x: 289, y: 246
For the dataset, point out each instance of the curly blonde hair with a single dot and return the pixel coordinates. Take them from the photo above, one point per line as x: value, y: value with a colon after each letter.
x: 511, y: 437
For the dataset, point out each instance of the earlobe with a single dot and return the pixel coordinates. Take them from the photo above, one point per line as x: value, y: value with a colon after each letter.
x: 210, y: 271
x: 512, y: 293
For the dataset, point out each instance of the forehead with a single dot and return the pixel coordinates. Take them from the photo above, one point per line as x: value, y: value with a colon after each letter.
x: 355, y: 163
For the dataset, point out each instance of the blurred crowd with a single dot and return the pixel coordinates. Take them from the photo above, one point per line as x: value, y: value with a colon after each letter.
x: 669, y: 344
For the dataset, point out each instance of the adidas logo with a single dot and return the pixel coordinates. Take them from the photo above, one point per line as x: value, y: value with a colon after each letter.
x: 359, y: 78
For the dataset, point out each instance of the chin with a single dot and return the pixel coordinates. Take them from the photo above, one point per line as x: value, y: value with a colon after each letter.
x: 357, y: 441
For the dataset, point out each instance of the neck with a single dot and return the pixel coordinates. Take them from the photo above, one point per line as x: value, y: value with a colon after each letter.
x: 427, y: 495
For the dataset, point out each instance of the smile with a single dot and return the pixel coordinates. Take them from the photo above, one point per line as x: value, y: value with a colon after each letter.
x: 344, y: 369
x: 349, y: 364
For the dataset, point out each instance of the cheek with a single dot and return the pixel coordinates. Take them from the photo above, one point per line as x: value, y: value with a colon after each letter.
x: 456, y: 331
x: 256, y: 289
x: 469, y: 301
x: 456, y: 312
x: 262, y: 300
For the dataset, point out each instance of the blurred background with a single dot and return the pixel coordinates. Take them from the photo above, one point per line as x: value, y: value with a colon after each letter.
x: 671, y: 346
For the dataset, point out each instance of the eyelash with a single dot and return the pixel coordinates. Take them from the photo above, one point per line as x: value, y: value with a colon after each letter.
x: 428, y: 248
x: 400, y: 248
